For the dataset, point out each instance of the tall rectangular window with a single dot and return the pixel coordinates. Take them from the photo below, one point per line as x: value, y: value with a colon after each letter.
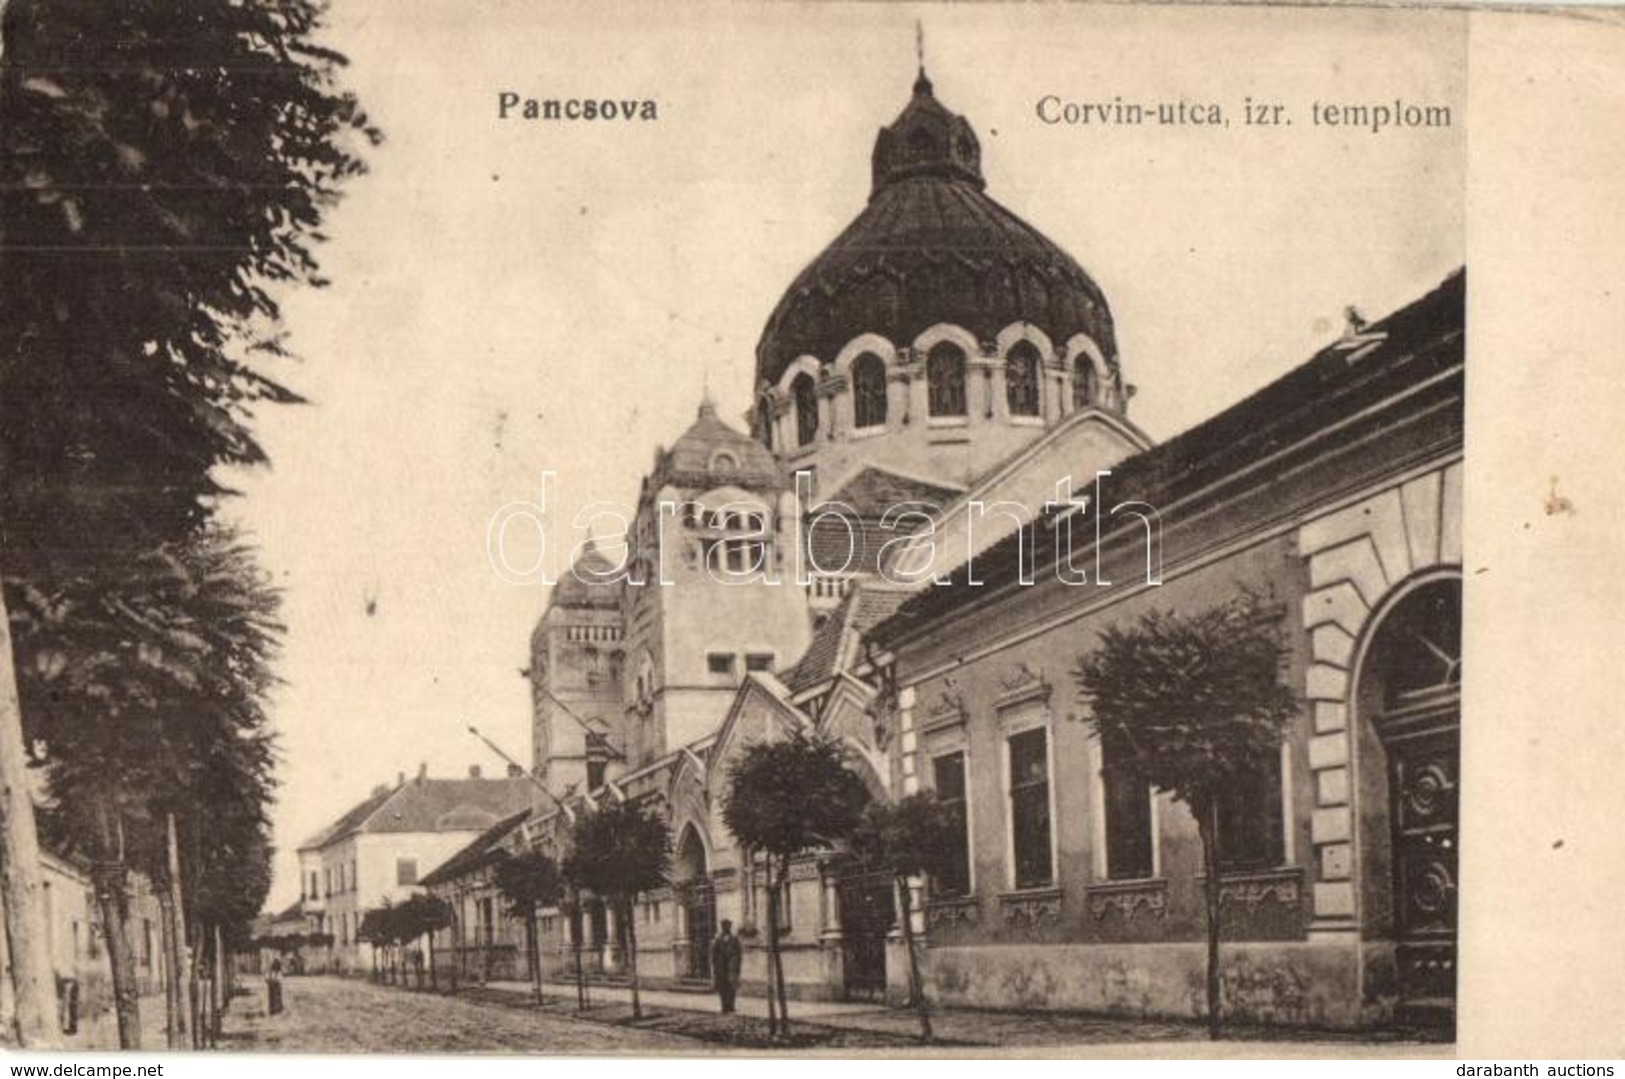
x: 1029, y: 808
x: 948, y: 780
x: 406, y: 871
x: 1128, y: 812
x: 1251, y: 834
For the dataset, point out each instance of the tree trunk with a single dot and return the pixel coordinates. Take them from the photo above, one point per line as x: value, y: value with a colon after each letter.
x: 217, y: 986
x: 113, y: 903
x: 775, y: 1024
x: 33, y: 1022
x: 578, y: 921
x: 166, y: 945
x: 22, y: 893
x: 1208, y: 829
x: 533, y: 953
x: 778, y: 954
x: 194, y: 938
x: 916, y: 984
x: 175, y: 958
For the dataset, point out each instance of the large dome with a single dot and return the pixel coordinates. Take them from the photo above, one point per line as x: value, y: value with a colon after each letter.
x: 931, y: 247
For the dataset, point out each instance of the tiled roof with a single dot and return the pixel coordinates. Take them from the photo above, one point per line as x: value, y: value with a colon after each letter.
x: 874, y: 490
x: 868, y: 495
x: 351, y: 820
x: 431, y: 805
x: 479, y: 853
x: 864, y: 607
x: 1409, y: 349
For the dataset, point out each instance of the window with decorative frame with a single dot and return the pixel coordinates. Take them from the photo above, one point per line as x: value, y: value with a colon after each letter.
x: 1021, y: 379
x: 804, y: 395
x: 869, y: 391
x: 1251, y: 830
x: 1127, y: 797
x: 948, y: 782
x: 945, y: 381
x: 1085, y: 383
x: 1031, y: 852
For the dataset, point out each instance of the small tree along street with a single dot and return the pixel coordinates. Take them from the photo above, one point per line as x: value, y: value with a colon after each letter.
x: 785, y: 798
x: 1198, y: 700
x: 527, y: 881
x: 618, y: 852
x: 912, y: 837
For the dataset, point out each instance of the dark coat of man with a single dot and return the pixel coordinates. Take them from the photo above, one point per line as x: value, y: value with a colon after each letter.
x: 726, y: 956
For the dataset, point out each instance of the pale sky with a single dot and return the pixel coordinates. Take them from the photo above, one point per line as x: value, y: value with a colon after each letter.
x: 516, y: 297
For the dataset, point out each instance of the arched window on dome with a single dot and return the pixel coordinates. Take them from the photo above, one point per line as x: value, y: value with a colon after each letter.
x: 1085, y: 383
x: 805, y: 395
x: 869, y: 390
x: 1021, y: 374
x: 764, y: 421
x: 945, y: 380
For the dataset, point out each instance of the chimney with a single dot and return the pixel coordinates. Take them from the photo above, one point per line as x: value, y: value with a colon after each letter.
x: 515, y: 772
x: 400, y: 779
x: 423, y: 771
x: 473, y: 771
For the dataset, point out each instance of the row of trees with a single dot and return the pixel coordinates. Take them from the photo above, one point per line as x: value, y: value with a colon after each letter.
x: 1198, y: 698
x: 785, y: 798
x: 164, y: 171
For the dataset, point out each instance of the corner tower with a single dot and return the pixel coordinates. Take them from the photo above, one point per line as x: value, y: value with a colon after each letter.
x: 939, y: 332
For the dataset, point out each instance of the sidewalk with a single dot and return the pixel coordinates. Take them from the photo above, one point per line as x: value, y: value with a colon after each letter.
x: 686, y: 1000
x: 834, y: 1024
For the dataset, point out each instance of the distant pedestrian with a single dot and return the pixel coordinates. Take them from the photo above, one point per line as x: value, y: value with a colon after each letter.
x: 273, y: 988
x: 725, y: 960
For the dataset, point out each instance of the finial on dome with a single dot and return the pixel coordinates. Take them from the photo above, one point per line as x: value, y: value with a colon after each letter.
x: 708, y: 404
x: 922, y: 84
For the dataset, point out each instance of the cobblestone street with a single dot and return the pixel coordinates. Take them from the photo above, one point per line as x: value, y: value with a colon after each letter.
x: 334, y: 1015
x: 344, y: 1015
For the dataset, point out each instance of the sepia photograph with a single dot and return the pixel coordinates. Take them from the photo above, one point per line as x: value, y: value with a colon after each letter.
x: 761, y: 529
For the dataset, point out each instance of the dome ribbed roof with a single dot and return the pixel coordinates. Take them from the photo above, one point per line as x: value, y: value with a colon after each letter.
x: 711, y: 454
x: 931, y: 247
x: 590, y: 583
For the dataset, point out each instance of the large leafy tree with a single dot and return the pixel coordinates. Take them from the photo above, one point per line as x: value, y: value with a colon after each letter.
x: 618, y: 852
x: 785, y: 798
x: 1198, y: 699
x: 164, y: 171
x: 912, y: 837
x: 149, y: 689
x: 529, y: 880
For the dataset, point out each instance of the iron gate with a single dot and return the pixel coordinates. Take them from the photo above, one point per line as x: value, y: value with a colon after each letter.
x: 868, y: 915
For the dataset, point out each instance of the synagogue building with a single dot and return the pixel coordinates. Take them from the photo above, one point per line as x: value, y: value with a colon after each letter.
x: 939, y: 358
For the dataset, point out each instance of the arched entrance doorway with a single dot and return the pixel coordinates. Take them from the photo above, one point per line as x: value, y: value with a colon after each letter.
x: 867, y: 902
x: 1410, y: 698
x: 691, y: 879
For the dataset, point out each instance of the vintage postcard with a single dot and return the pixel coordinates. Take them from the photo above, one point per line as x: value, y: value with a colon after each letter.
x: 879, y: 529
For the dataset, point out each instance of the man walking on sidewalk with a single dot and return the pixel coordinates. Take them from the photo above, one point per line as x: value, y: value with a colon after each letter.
x: 725, y: 960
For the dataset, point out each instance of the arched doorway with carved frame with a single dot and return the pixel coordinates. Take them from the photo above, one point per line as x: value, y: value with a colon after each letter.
x: 696, y: 899
x: 1407, y: 713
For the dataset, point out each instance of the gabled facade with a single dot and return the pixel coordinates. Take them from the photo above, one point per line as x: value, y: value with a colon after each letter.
x: 378, y: 851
